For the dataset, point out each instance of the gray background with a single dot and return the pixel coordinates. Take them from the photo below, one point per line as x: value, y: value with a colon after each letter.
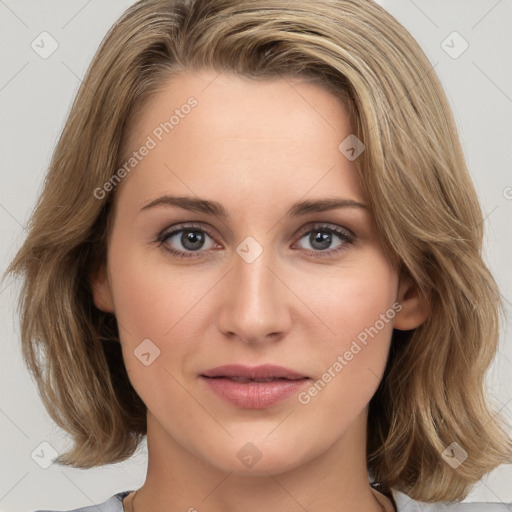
x: 35, y: 97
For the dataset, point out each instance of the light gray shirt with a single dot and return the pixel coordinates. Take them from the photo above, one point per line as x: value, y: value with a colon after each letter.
x: 403, y: 504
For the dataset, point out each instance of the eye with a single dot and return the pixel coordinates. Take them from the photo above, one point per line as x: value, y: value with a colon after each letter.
x: 189, y: 239
x: 322, y: 237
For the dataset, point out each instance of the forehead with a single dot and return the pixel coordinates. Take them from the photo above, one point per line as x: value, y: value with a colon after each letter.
x: 210, y: 132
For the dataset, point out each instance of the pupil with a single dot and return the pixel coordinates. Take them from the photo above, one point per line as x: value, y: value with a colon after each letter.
x: 323, y: 239
x: 192, y: 240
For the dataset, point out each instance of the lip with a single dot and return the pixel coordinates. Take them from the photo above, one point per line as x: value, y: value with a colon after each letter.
x: 253, y: 387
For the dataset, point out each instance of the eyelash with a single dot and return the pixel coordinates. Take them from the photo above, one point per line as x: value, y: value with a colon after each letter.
x: 343, y: 234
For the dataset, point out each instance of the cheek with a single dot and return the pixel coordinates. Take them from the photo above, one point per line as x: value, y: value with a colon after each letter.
x: 159, y: 302
x: 153, y: 308
x: 139, y: 300
x: 150, y: 296
x: 356, y: 304
x: 352, y: 298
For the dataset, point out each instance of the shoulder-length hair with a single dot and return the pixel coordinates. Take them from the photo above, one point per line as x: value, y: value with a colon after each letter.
x: 418, y: 188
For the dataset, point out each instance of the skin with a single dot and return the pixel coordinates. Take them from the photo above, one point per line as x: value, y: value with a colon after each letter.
x: 256, y: 147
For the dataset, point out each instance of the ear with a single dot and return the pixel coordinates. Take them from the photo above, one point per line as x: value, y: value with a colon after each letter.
x: 101, y: 290
x: 415, y: 305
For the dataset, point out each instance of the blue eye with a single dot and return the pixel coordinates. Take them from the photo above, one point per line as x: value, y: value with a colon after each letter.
x: 193, y: 239
x: 321, y: 238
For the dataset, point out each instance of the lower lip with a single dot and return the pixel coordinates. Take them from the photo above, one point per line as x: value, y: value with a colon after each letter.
x: 254, y: 395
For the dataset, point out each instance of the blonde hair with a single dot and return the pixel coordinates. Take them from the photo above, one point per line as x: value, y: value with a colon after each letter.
x: 418, y: 187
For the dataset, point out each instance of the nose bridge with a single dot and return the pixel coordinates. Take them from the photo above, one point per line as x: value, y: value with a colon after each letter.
x: 254, y: 305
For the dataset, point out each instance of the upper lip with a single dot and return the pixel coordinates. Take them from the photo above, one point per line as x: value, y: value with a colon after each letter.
x: 264, y: 371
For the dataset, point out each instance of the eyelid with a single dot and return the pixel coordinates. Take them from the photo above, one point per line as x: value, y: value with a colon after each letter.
x: 326, y: 225
x: 167, y: 232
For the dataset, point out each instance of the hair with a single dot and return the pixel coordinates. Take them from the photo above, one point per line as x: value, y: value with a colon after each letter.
x: 418, y: 189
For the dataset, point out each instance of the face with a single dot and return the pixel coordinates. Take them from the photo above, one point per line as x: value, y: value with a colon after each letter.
x: 259, y: 327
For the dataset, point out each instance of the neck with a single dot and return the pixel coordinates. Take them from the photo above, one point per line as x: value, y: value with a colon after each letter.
x: 335, y: 481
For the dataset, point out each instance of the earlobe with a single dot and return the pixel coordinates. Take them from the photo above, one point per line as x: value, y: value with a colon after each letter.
x: 415, y: 305
x: 101, y: 291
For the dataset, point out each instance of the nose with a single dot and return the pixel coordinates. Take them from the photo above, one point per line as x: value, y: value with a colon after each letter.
x: 254, y: 305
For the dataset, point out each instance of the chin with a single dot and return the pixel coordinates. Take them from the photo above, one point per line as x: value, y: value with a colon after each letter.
x: 261, y: 456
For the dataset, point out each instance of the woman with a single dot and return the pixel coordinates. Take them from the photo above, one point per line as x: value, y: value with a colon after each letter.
x: 258, y: 244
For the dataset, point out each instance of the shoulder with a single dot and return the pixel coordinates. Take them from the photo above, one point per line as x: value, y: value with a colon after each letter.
x: 406, y: 504
x: 113, y: 504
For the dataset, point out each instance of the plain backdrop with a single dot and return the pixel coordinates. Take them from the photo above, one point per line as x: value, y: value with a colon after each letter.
x: 35, y: 98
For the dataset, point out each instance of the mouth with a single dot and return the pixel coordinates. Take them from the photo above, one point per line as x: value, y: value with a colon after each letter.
x: 255, y: 387
x: 248, y: 379
x: 261, y: 373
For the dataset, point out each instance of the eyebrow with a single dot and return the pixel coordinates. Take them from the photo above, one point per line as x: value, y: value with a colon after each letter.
x: 216, y: 209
